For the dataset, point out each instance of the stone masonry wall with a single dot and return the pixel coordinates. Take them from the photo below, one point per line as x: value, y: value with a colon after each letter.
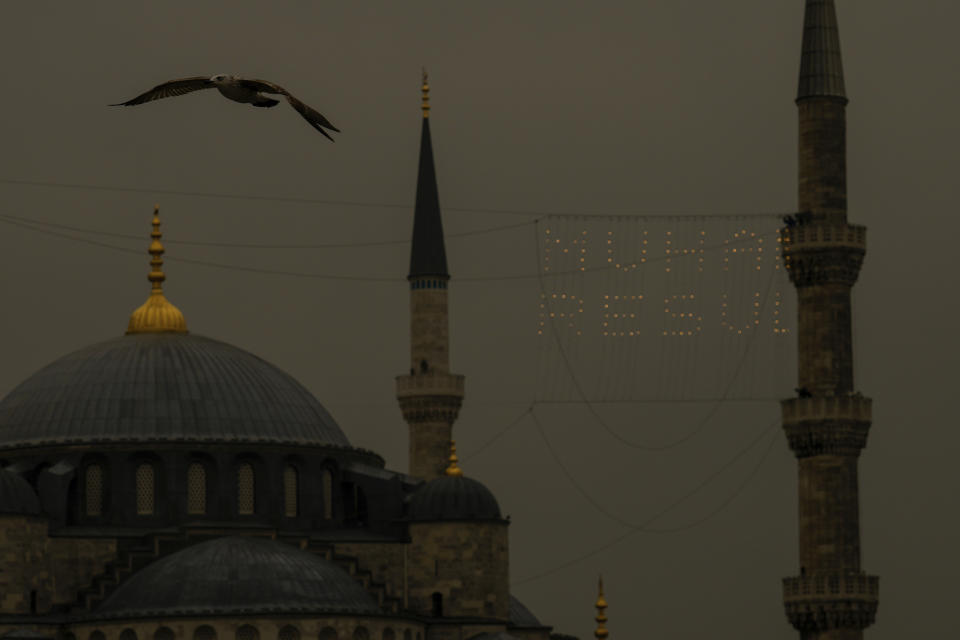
x: 467, y: 563
x: 23, y: 565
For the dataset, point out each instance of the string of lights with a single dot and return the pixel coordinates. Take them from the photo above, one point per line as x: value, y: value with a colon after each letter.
x: 592, y: 409
x: 37, y: 227
x: 644, y: 527
x: 360, y: 203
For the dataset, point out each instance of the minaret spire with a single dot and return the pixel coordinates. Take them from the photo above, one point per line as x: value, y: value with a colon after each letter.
x: 430, y: 396
x: 601, y: 632
x: 821, y: 69
x: 156, y: 315
x: 827, y: 423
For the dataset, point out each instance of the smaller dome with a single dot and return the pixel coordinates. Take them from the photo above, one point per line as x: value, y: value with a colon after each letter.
x: 238, y: 575
x: 521, y: 617
x: 453, y: 498
x: 17, y: 496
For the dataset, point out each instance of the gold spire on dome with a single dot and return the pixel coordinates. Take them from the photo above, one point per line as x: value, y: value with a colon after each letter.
x: 453, y: 469
x: 601, y: 618
x: 426, y: 96
x: 156, y: 315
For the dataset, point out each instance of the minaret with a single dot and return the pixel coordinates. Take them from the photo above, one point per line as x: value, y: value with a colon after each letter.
x: 430, y: 396
x: 827, y: 423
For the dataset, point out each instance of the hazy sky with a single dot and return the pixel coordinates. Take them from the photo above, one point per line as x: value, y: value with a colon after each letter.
x: 665, y: 107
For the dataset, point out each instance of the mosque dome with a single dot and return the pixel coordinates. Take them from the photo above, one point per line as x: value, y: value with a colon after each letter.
x: 16, y: 495
x: 160, y: 384
x: 162, y: 387
x: 238, y: 575
x: 453, y: 496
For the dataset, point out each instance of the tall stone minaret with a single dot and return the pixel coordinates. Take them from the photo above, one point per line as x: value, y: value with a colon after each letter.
x: 430, y: 396
x: 827, y: 423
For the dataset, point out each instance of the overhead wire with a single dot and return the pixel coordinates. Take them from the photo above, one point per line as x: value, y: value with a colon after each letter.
x: 643, y: 526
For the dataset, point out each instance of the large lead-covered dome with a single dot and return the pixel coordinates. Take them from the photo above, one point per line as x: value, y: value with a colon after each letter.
x: 163, y: 387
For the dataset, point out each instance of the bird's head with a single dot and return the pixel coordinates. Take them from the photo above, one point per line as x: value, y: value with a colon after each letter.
x: 221, y: 78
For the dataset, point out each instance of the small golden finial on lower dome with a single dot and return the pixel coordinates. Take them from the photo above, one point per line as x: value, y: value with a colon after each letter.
x: 601, y: 618
x: 453, y: 469
x: 426, y: 95
x: 156, y: 315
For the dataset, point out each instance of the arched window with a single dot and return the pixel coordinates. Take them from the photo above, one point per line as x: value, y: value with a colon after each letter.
x: 204, y: 632
x: 437, y: 604
x: 328, y: 633
x: 290, y: 487
x: 289, y: 632
x: 248, y: 632
x: 196, y: 489
x: 145, y: 489
x: 163, y: 633
x: 361, y: 633
x: 388, y: 634
x: 327, y: 494
x: 246, y: 501
x: 407, y: 635
x: 128, y: 634
x: 93, y: 490
x: 96, y: 634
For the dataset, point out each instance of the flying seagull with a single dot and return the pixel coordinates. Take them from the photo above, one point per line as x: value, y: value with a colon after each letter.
x: 236, y: 89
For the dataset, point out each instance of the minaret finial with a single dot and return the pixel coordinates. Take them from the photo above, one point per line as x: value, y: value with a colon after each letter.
x: 821, y: 69
x: 156, y: 315
x: 453, y: 469
x: 426, y: 95
x: 601, y: 618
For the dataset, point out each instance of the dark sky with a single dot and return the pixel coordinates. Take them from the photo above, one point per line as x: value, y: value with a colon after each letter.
x: 659, y: 107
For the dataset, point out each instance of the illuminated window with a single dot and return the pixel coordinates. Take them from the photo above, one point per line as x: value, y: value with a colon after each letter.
x: 196, y: 489
x: 248, y: 632
x: 145, y: 490
x: 290, y: 491
x: 289, y: 633
x: 163, y: 633
x: 93, y: 491
x: 327, y: 494
x: 204, y: 632
x: 246, y: 501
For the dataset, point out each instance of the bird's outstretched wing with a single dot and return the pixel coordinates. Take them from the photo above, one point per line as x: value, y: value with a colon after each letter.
x: 169, y: 89
x: 311, y: 115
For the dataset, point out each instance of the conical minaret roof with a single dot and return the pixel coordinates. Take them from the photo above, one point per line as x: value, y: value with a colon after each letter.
x: 428, y: 257
x: 821, y: 69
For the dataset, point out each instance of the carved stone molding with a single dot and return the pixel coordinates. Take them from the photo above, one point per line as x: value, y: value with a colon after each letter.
x: 827, y: 425
x: 823, y: 253
x: 831, y: 600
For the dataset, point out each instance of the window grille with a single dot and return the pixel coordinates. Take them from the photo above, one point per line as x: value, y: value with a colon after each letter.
x: 164, y: 633
x: 290, y: 491
x: 128, y: 634
x: 248, y: 632
x: 388, y: 634
x: 328, y: 633
x: 288, y: 633
x: 361, y: 633
x: 94, y: 491
x: 96, y: 634
x: 205, y: 632
x: 196, y: 489
x: 245, y: 490
x: 145, y: 493
x: 327, y: 494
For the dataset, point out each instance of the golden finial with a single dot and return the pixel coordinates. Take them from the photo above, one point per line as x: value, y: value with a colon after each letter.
x: 156, y: 315
x: 453, y: 469
x: 601, y: 618
x: 426, y: 95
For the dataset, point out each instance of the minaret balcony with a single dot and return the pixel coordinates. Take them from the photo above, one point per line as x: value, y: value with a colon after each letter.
x: 430, y: 397
x: 823, y: 253
x: 827, y: 425
x: 831, y: 600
